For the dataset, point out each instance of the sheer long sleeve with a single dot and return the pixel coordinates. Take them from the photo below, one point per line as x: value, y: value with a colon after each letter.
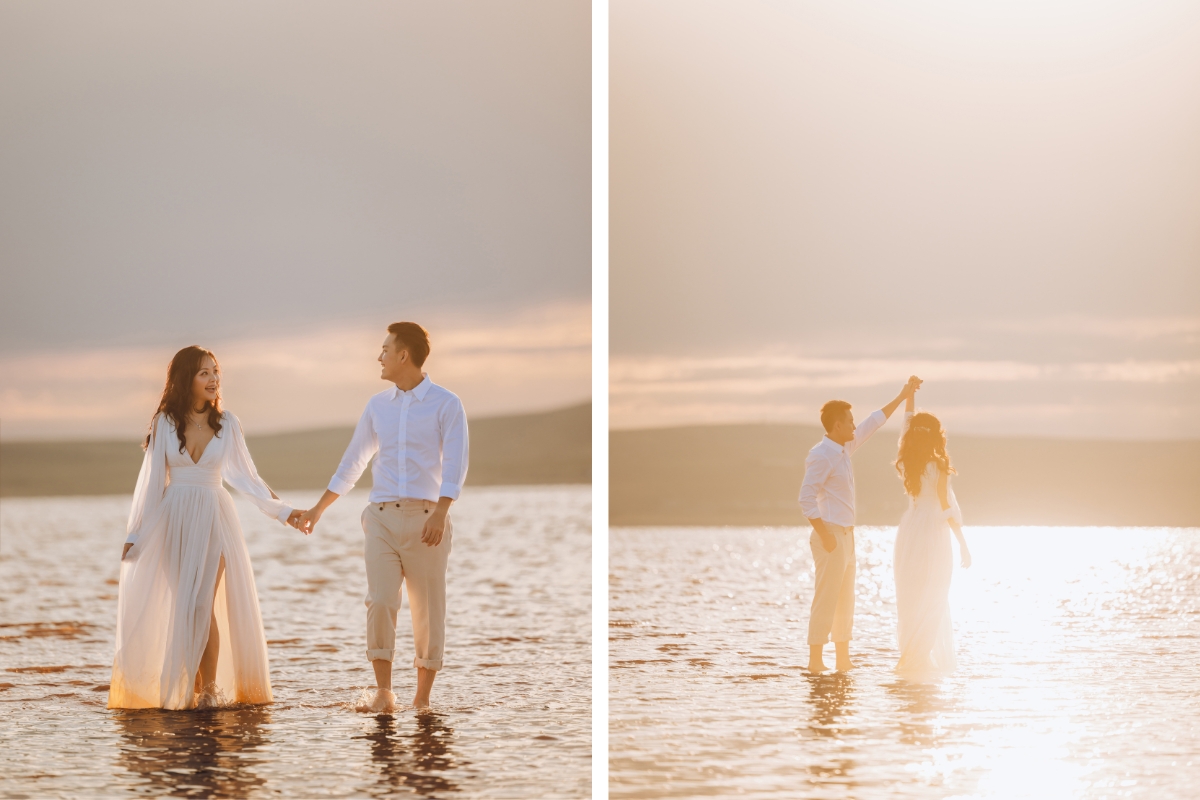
x: 151, y: 482
x: 455, y: 451
x: 237, y: 468
x: 955, y: 511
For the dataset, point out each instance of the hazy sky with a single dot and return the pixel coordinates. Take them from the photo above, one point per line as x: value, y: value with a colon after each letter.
x: 811, y: 200
x: 246, y: 173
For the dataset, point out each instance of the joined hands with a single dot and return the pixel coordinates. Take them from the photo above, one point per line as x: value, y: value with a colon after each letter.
x: 303, y: 520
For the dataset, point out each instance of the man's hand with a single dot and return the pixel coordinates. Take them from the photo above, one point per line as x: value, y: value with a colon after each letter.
x: 308, y: 520
x: 435, y: 527
x: 906, y: 394
x: 126, y: 550
x: 828, y: 540
x: 294, y: 518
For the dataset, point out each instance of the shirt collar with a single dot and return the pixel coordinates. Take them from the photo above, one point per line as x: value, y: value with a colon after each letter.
x: 831, y: 443
x: 420, y: 390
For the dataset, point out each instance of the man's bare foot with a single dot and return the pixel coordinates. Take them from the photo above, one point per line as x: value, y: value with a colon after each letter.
x: 419, y: 703
x: 843, y: 656
x: 816, y: 663
x: 383, y: 702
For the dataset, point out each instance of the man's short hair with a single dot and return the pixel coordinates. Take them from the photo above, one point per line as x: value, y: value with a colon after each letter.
x: 831, y: 412
x: 413, y: 338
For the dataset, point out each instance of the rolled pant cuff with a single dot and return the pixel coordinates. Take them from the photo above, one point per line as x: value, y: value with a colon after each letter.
x: 382, y: 654
x: 428, y: 663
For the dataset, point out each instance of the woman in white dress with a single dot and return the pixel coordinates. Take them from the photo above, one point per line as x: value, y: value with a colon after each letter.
x: 923, y: 557
x: 189, y: 631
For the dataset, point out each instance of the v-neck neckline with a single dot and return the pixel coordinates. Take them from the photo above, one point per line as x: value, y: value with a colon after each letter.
x: 196, y: 462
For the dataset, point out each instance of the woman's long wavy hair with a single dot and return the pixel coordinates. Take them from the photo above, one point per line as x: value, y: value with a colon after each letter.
x: 923, y: 441
x: 176, y: 400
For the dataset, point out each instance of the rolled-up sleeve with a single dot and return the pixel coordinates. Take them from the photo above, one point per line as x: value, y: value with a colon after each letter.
x: 865, y: 430
x: 363, y: 446
x: 455, y: 450
x: 816, y: 470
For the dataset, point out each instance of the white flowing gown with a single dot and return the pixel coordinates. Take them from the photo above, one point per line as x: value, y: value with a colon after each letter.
x: 182, y: 522
x: 923, y: 564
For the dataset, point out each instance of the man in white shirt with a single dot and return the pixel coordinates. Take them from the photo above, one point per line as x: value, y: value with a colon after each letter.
x: 827, y: 500
x: 417, y: 433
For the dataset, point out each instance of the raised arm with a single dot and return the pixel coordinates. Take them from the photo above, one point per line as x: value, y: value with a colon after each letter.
x: 875, y: 420
x: 906, y: 394
x: 151, y: 483
x: 237, y: 468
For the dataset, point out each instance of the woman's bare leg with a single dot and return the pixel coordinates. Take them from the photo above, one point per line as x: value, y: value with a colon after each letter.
x: 208, y: 661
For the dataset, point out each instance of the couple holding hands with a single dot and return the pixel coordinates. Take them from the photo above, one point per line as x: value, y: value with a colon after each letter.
x: 189, y: 629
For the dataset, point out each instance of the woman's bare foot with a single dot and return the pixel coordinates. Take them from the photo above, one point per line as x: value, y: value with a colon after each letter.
x: 210, y: 697
x: 844, y: 665
x: 382, y: 702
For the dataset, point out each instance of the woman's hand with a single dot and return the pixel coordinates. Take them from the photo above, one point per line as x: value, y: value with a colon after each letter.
x: 294, y: 518
x: 126, y: 550
x: 966, y: 557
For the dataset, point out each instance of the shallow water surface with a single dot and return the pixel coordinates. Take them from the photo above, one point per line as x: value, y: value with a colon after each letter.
x: 512, y: 707
x: 1079, y: 670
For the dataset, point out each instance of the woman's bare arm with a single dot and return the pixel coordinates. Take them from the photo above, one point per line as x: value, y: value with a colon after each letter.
x: 962, y: 543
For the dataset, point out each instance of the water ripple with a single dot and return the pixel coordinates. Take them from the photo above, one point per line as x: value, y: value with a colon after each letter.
x: 1079, y: 665
x: 512, y: 714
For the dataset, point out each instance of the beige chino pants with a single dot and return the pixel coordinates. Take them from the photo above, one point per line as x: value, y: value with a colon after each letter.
x: 833, y: 596
x: 395, y: 554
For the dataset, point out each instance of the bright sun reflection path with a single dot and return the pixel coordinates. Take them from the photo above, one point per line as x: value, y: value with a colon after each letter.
x: 1077, y: 665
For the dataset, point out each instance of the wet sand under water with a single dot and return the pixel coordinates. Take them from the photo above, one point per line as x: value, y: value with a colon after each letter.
x: 511, y: 716
x: 1079, y: 670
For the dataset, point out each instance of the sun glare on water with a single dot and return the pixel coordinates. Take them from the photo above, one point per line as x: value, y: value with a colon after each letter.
x: 1076, y: 669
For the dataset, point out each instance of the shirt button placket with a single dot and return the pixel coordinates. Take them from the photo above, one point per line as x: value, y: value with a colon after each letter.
x: 402, y: 466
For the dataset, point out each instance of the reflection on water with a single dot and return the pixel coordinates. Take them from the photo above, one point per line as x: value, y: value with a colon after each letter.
x: 202, y: 753
x: 512, y: 707
x: 420, y: 761
x: 1079, y: 670
x: 919, y: 709
x: 831, y: 699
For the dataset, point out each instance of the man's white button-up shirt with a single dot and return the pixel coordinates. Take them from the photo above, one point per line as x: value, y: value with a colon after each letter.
x: 421, y: 440
x: 828, y: 489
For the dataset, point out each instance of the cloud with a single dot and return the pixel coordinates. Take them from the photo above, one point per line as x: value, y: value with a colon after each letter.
x: 531, y: 360
x: 1086, y: 398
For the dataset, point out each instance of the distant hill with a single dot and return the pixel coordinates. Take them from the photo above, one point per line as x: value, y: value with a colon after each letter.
x: 751, y: 474
x: 542, y: 448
